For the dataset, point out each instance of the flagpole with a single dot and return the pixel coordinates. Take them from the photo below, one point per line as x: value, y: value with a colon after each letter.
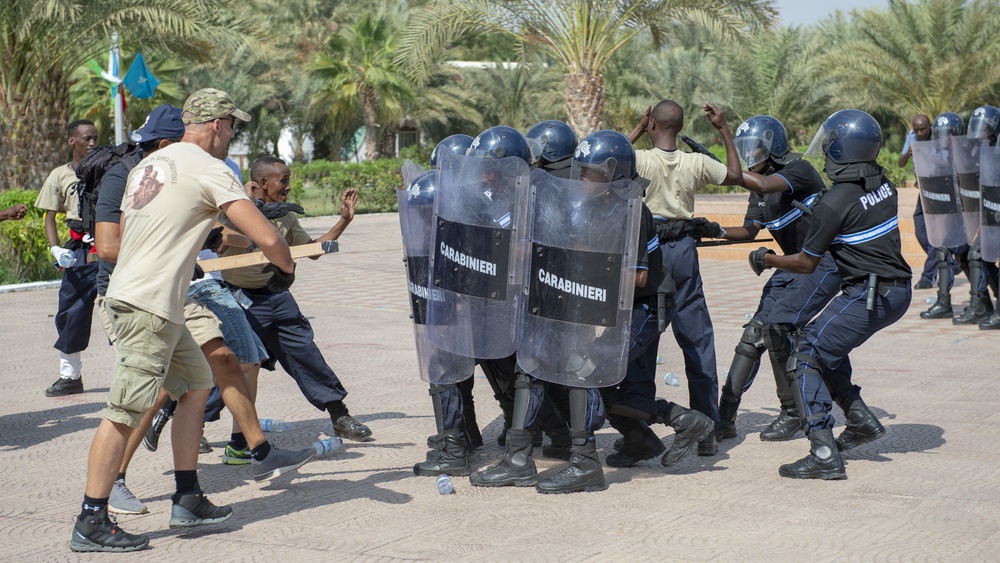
x: 119, y: 117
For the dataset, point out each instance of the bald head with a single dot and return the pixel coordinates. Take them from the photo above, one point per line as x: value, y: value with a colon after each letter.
x: 669, y: 116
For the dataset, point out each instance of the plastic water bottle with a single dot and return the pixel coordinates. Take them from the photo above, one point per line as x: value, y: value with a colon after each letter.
x: 725, y: 376
x: 445, y: 486
x: 931, y: 300
x: 66, y: 260
x: 659, y: 360
x: 274, y: 425
x: 748, y: 316
x: 327, y: 445
x: 671, y: 380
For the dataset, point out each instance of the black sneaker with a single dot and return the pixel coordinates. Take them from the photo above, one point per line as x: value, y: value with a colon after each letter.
x: 279, y: 461
x: 348, y: 427
x: 194, y: 509
x: 152, y: 439
x: 99, y: 532
x: 64, y: 386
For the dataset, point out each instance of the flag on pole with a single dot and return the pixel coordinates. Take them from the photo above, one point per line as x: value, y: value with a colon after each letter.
x: 139, y: 80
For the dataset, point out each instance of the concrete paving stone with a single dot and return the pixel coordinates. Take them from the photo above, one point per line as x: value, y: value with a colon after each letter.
x: 928, y: 490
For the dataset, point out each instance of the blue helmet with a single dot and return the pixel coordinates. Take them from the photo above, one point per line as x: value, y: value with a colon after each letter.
x: 948, y: 124
x: 500, y: 142
x: 457, y: 144
x: 983, y: 123
x: 850, y: 135
x: 760, y: 138
x: 609, y: 153
x: 421, y: 190
x: 551, y: 141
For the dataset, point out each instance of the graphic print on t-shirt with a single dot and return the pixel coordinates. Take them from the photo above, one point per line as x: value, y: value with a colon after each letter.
x: 143, y: 188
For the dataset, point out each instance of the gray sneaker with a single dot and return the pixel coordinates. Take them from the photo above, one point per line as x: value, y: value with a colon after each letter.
x: 123, y: 501
x: 194, y: 509
x: 279, y: 461
x: 204, y: 447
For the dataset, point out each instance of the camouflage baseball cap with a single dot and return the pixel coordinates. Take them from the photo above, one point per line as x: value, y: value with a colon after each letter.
x: 208, y: 104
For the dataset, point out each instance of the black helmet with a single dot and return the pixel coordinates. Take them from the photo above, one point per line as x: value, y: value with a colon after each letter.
x: 421, y: 189
x: 983, y: 123
x: 608, y: 152
x: 948, y: 124
x: 500, y: 142
x: 760, y: 138
x: 457, y: 144
x: 850, y: 135
x: 551, y: 141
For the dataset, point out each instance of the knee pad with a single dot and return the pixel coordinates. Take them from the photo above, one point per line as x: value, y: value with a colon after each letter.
x: 776, y: 338
x: 752, y: 340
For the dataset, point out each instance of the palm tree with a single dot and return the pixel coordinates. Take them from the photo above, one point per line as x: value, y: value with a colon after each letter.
x: 923, y: 56
x: 580, y: 36
x: 360, y: 77
x: 43, y: 41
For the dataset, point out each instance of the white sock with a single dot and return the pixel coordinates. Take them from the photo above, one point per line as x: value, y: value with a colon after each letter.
x: 70, y: 365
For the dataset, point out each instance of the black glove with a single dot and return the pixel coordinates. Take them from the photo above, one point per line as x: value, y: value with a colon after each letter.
x: 276, y: 210
x: 214, y: 240
x: 756, y: 259
x: 198, y: 272
x: 702, y: 227
x: 279, y: 281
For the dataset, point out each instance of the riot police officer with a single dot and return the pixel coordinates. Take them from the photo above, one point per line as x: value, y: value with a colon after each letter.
x: 856, y: 220
x: 782, y: 186
x: 984, y: 125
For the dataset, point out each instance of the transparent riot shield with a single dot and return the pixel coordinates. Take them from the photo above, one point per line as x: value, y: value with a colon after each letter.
x: 477, y: 256
x: 932, y: 162
x: 965, y: 156
x: 989, y: 182
x: 416, y: 210
x: 583, y: 248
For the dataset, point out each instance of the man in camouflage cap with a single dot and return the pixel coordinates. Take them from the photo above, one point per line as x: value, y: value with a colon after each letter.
x: 208, y: 104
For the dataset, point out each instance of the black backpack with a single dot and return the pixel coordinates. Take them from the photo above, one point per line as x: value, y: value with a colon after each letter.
x: 89, y: 173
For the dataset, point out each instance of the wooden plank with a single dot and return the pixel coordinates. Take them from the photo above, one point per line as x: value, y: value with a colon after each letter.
x: 258, y: 258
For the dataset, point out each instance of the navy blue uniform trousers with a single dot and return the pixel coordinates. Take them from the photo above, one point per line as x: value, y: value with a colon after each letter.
x: 822, y: 351
x: 77, y: 293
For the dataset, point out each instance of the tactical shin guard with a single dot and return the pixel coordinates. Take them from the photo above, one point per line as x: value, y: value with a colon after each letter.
x: 743, y: 370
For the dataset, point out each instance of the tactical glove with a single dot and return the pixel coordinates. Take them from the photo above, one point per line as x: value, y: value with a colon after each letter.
x: 276, y: 210
x: 279, y: 281
x: 756, y: 259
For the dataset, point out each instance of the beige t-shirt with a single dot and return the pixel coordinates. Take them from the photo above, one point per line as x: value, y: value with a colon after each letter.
x: 171, y: 201
x: 56, y: 194
x: 253, y: 277
x: 674, y: 177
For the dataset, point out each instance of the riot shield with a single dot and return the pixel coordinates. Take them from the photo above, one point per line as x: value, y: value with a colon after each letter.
x: 478, y: 252
x: 965, y: 156
x: 989, y: 181
x: 416, y: 209
x: 583, y: 246
x: 932, y: 162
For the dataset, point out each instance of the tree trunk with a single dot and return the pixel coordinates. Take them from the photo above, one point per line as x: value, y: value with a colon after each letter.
x: 371, y: 125
x: 585, y: 101
x: 33, y: 132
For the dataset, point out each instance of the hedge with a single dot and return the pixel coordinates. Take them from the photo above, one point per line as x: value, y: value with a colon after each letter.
x: 24, y: 250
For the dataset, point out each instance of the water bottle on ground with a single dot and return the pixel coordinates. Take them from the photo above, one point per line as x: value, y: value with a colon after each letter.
x: 445, y: 486
x: 274, y: 425
x: 671, y: 380
x: 931, y: 300
x: 725, y: 376
x: 327, y: 445
x: 659, y: 360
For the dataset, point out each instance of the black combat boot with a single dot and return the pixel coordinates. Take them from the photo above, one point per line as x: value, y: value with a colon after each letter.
x: 515, y: 469
x: 862, y: 426
x: 979, y: 309
x: 583, y: 474
x: 451, y: 459
x: 472, y: 433
x: 784, y: 427
x: 690, y: 427
x: 823, y: 461
x: 559, y: 442
x: 641, y: 444
x: 726, y: 429
x: 508, y: 415
x: 992, y: 322
x: 941, y: 309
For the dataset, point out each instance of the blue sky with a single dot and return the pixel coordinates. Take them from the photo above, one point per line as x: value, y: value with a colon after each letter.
x: 805, y: 12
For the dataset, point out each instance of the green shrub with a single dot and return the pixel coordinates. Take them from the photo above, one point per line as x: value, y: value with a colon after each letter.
x: 419, y: 154
x: 24, y: 250
x: 376, y: 182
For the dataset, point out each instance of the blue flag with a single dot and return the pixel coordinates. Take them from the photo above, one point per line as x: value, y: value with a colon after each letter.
x: 139, y: 81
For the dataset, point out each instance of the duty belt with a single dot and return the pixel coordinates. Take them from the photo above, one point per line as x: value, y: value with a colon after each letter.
x: 880, y: 286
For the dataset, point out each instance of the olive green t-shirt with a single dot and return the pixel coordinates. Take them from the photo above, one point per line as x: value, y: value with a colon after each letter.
x: 253, y: 277
x: 59, y: 195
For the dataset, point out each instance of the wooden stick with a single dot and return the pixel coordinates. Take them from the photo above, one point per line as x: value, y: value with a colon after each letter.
x: 258, y: 258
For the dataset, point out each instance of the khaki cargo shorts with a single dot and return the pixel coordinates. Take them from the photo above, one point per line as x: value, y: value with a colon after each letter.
x: 150, y: 353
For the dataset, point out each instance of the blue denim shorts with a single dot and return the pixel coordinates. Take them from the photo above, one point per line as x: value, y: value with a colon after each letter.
x: 236, y: 330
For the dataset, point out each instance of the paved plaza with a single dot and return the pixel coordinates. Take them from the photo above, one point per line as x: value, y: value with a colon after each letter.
x: 928, y: 490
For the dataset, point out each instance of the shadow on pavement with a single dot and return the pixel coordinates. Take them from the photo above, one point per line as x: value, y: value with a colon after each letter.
x: 27, y: 429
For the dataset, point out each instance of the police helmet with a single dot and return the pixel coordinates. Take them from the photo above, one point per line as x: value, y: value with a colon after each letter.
x: 604, y: 156
x: 948, y: 124
x: 983, y: 123
x: 760, y: 138
x: 849, y: 135
x: 500, y: 142
x: 457, y: 144
x: 551, y: 141
x: 421, y: 190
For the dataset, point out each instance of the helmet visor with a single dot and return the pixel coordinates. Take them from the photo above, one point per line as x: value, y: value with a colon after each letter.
x: 536, y: 148
x: 981, y: 127
x: 594, y: 172
x: 821, y: 141
x: 752, y: 149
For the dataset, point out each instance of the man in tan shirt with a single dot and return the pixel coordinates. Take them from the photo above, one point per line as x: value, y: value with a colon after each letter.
x: 78, y: 288
x: 675, y: 177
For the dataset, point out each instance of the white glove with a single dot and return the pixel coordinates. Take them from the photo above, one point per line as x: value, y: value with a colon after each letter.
x: 59, y: 252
